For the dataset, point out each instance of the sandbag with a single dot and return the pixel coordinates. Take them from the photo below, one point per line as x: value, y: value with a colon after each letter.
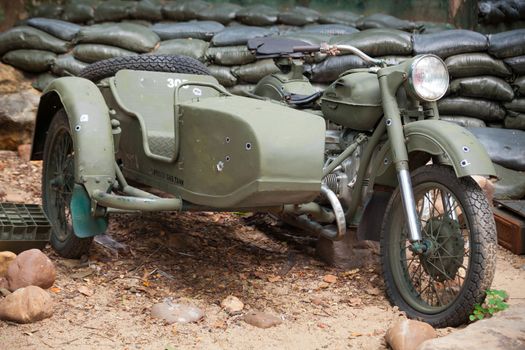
x: 253, y: 72
x: 505, y: 147
x: 242, y: 89
x: 60, y: 29
x: 79, y: 11
x: 516, y: 105
x: 204, y: 30
x: 507, y: 44
x: 330, y: 69
x: 514, y: 120
x: 433, y: 27
x: 25, y: 37
x: 466, y: 122
x: 67, y: 65
x: 185, y: 47
x: 47, y: 11
x: 35, y: 61
x: 238, y: 35
x: 258, y: 15
x: 378, y: 42
x: 184, y: 10
x: 340, y: 17
x: 519, y: 85
x: 43, y: 80
x: 95, y: 52
x: 488, y: 111
x: 113, y: 10
x: 450, y: 42
x: 517, y: 64
x: 510, y: 183
x: 128, y: 36
x: 380, y: 20
x: 487, y: 87
x: 329, y: 29
x: 230, y: 55
x: 298, y: 16
x: 223, y: 75
x: 222, y: 12
x: 474, y: 64
x: 147, y: 10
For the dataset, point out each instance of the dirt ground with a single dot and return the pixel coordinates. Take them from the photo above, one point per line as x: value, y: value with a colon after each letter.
x: 104, y: 300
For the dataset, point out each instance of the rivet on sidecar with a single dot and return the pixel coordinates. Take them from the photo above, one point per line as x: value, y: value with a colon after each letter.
x: 77, y: 128
x: 464, y: 163
x: 466, y: 149
x: 227, y: 158
x: 227, y: 139
x: 388, y: 122
x: 248, y: 146
x: 385, y: 161
x: 220, y: 166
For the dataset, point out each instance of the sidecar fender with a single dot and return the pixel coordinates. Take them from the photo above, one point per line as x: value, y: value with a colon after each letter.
x: 454, y: 145
x: 90, y: 126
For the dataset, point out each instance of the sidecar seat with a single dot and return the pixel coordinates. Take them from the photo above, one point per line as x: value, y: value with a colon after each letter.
x: 149, y: 96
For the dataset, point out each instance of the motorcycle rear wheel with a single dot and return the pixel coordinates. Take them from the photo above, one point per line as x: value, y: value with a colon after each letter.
x: 442, y: 285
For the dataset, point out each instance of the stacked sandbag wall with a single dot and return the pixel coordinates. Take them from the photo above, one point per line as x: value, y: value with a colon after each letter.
x: 487, y: 71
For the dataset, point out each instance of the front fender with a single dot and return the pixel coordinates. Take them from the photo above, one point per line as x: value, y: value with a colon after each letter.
x: 90, y: 126
x: 453, y: 144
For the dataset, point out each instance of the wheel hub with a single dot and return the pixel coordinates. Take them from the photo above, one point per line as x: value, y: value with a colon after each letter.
x: 446, y: 248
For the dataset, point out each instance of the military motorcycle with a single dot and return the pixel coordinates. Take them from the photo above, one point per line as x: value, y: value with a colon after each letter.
x: 369, y: 151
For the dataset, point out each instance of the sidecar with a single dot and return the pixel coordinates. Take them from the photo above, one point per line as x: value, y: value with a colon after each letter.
x: 181, y: 134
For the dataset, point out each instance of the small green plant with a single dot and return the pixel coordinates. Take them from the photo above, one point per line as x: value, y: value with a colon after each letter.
x: 495, y: 301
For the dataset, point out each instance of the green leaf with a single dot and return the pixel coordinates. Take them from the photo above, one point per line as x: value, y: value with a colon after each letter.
x: 472, y: 317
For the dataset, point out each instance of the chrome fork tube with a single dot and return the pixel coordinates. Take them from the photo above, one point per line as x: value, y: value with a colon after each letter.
x: 407, y: 197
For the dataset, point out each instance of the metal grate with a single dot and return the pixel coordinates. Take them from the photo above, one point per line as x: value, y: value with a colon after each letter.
x: 23, y: 222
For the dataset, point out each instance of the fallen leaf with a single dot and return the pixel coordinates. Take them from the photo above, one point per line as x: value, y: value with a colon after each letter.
x: 86, y: 291
x: 322, y: 325
x: 82, y: 274
x: 323, y: 285
x: 330, y: 278
x: 55, y: 289
x: 350, y: 273
x: 374, y: 291
x: 355, y: 334
x: 273, y: 279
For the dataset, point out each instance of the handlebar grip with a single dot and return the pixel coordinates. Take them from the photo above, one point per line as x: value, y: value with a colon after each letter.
x: 307, y: 48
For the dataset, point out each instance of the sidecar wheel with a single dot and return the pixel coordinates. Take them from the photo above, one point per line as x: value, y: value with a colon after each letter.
x: 153, y: 63
x: 58, y: 179
x: 441, y: 285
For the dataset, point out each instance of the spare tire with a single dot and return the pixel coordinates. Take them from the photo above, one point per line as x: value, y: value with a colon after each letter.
x: 154, y: 63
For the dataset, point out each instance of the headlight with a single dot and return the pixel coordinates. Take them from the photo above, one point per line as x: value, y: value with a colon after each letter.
x: 428, y: 78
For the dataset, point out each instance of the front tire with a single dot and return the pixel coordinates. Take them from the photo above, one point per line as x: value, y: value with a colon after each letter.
x: 441, y: 286
x: 58, y: 180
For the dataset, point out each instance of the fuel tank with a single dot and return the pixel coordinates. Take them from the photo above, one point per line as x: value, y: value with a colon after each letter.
x: 353, y: 100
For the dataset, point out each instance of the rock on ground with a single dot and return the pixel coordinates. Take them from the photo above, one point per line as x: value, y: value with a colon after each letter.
x: 232, y: 305
x: 261, y: 319
x: 31, y: 268
x: 179, y: 313
x: 504, y: 331
x: 409, y: 334
x: 5, y: 259
x: 26, y: 305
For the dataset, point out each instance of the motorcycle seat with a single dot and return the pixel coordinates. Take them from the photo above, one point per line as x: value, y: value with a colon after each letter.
x: 269, y: 47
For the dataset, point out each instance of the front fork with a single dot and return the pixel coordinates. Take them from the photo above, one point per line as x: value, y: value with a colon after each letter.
x: 394, y: 128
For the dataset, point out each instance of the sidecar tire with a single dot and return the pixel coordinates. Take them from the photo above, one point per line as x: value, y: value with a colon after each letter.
x: 153, y: 63
x: 462, y: 238
x: 58, y: 156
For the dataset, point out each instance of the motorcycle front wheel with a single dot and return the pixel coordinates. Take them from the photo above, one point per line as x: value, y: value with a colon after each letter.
x: 442, y: 285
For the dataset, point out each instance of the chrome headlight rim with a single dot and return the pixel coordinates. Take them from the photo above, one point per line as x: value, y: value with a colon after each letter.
x: 411, y: 85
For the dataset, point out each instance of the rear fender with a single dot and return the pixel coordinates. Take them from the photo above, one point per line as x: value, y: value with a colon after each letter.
x: 90, y: 125
x: 451, y: 144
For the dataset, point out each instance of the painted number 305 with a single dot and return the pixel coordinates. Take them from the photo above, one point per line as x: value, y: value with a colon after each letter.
x: 176, y: 82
